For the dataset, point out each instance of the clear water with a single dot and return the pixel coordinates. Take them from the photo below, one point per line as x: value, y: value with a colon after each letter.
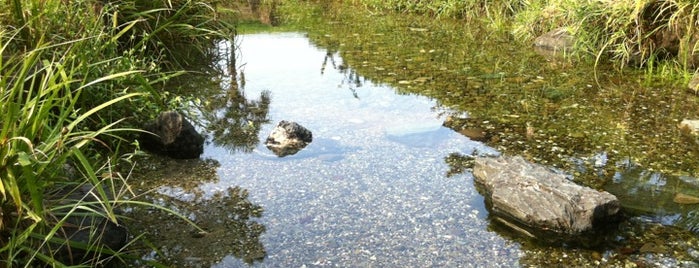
x: 371, y: 189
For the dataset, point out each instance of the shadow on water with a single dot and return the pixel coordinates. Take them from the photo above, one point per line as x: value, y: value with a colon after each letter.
x: 228, y: 220
x: 673, y: 198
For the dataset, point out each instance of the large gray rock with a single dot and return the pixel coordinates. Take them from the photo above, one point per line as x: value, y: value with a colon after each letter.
x: 541, y: 199
x: 287, y: 138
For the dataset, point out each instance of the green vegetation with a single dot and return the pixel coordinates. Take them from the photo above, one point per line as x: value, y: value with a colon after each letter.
x: 75, y: 78
x: 635, y: 32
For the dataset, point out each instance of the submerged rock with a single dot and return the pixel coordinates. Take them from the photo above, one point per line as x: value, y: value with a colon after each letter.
x: 685, y: 199
x: 173, y: 136
x: 694, y: 84
x: 556, y: 40
x: 287, y: 138
x: 540, y: 199
x: 427, y: 134
x: 690, y: 125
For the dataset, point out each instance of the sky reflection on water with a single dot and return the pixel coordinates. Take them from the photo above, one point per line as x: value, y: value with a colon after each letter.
x: 371, y: 189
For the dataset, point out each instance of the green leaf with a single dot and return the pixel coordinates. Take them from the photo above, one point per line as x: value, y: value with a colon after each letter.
x: 24, y: 159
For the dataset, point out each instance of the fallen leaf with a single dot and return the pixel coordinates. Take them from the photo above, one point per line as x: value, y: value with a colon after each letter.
x: 685, y: 199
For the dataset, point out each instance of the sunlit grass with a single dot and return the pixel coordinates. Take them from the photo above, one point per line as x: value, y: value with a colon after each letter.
x: 75, y: 78
x: 41, y: 132
x: 629, y: 32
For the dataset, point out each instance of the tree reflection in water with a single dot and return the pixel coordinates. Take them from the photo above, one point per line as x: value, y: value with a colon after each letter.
x: 227, y: 217
x: 218, y: 87
x: 350, y: 77
x: 233, y: 120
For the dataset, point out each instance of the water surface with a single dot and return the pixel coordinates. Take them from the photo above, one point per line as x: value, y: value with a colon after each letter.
x: 378, y: 186
x: 371, y: 189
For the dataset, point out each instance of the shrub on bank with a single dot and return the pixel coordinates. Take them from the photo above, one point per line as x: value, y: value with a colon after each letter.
x: 634, y: 32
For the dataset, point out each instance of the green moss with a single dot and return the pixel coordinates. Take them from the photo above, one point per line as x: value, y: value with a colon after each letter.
x: 255, y: 26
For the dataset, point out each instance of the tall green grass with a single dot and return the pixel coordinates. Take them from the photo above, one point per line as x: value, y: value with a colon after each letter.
x: 75, y: 78
x: 41, y: 130
x: 166, y: 27
x: 463, y: 9
x: 634, y: 32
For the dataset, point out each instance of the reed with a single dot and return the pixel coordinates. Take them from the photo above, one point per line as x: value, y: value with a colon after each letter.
x: 41, y: 131
x: 75, y: 76
x: 469, y: 9
x: 164, y: 27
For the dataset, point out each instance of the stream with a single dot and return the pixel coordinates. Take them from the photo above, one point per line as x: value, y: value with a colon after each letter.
x: 382, y: 183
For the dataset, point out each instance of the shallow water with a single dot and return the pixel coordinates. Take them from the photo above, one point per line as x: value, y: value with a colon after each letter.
x: 377, y: 186
x: 370, y: 190
x: 371, y: 187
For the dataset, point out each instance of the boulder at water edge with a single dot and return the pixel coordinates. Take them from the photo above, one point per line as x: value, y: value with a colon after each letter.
x: 84, y: 226
x: 287, y: 138
x: 540, y: 199
x: 172, y: 135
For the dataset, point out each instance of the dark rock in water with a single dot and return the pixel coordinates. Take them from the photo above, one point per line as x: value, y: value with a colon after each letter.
x: 287, y: 138
x: 172, y: 136
x: 83, y: 228
x: 540, y: 199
